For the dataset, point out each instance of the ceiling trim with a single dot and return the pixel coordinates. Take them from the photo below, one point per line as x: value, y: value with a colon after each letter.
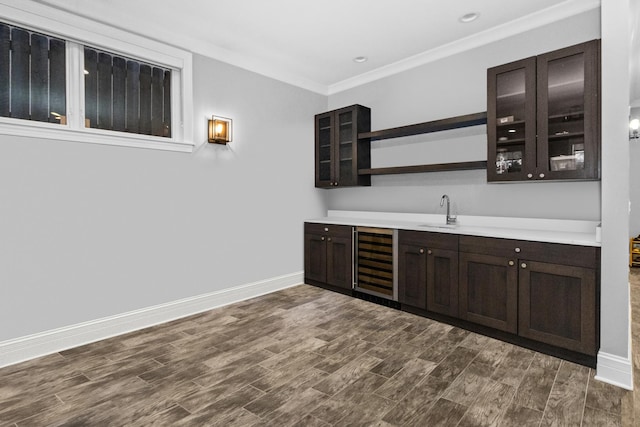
x: 213, y: 51
x: 511, y: 28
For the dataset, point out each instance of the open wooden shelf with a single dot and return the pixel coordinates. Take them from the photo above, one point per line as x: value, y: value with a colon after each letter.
x: 441, y: 167
x: 428, y: 127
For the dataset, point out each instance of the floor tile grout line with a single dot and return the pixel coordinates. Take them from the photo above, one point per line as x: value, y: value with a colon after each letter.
x: 546, y: 405
x: 586, y: 391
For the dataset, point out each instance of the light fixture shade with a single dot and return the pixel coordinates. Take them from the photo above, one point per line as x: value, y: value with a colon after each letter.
x: 220, y: 130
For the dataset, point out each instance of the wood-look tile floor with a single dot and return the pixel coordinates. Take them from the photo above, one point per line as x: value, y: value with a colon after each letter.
x: 308, y: 357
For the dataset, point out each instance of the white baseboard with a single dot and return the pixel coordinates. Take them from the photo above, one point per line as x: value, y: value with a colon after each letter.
x: 615, y: 370
x: 29, y: 347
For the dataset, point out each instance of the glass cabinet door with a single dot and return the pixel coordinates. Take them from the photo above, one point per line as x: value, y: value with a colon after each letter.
x: 346, y: 138
x: 567, y: 112
x: 511, y: 121
x: 324, y: 146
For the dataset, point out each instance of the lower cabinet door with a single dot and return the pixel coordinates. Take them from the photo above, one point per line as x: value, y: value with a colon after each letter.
x: 489, y: 291
x: 412, y: 275
x: 339, y: 262
x: 315, y: 257
x: 442, y: 281
x: 558, y: 305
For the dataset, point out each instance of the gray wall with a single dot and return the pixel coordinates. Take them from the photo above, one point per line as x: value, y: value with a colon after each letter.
x: 454, y: 86
x: 88, y: 231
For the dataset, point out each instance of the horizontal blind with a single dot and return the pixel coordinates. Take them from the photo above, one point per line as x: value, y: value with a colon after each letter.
x: 32, y: 75
x: 126, y: 95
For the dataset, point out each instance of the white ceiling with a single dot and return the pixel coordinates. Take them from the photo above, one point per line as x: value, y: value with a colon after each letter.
x: 312, y: 43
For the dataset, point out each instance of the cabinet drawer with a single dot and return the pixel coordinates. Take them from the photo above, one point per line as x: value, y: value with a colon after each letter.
x: 429, y: 239
x: 332, y: 229
x: 579, y: 256
x: 495, y: 247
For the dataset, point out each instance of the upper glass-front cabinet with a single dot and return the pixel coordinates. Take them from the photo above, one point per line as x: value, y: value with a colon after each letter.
x: 513, y: 111
x: 543, y: 116
x: 339, y: 151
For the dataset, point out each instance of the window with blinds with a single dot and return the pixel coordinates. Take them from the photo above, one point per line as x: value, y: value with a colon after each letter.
x: 126, y: 95
x: 32, y: 75
x: 104, y: 87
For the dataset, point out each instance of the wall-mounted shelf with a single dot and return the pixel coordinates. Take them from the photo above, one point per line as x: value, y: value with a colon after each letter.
x: 441, y: 167
x: 428, y: 127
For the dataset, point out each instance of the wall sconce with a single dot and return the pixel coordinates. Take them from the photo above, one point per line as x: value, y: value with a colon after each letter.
x: 220, y: 130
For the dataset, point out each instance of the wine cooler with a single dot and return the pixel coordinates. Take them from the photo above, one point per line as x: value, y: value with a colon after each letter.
x: 375, y: 258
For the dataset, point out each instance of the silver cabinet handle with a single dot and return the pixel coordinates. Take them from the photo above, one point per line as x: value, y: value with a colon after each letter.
x: 523, y: 265
x: 511, y: 263
x: 541, y: 175
x: 421, y: 251
x: 429, y: 252
x: 529, y: 175
x: 329, y: 239
x: 322, y: 238
x: 326, y: 229
x: 517, y: 250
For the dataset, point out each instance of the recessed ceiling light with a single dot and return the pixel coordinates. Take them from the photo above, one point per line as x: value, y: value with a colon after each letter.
x: 468, y: 17
x: 360, y: 59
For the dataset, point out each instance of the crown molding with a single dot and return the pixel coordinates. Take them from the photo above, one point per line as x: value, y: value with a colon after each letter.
x: 525, y: 23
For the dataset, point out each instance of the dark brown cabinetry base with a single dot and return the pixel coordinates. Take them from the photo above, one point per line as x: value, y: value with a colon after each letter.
x: 327, y: 254
x: 428, y: 271
x: 489, y: 291
x: 542, y: 296
x: 541, y: 291
x: 557, y: 305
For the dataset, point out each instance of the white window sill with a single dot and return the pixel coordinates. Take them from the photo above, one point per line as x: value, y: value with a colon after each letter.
x: 93, y: 136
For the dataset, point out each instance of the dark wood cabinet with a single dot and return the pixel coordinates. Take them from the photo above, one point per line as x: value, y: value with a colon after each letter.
x: 339, y: 151
x: 412, y: 274
x: 544, y: 296
x: 489, y: 291
x: 557, y: 305
x: 545, y: 292
x: 328, y: 255
x: 428, y: 271
x: 543, y: 116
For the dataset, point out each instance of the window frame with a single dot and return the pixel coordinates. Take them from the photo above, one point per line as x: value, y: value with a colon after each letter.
x: 49, y: 21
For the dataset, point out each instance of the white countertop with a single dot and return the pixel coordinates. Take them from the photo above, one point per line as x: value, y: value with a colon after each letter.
x: 572, y: 232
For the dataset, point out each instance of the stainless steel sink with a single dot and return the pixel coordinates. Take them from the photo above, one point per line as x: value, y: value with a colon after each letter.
x: 438, y: 225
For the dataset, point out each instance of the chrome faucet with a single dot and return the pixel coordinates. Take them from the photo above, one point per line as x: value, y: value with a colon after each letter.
x: 450, y: 219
